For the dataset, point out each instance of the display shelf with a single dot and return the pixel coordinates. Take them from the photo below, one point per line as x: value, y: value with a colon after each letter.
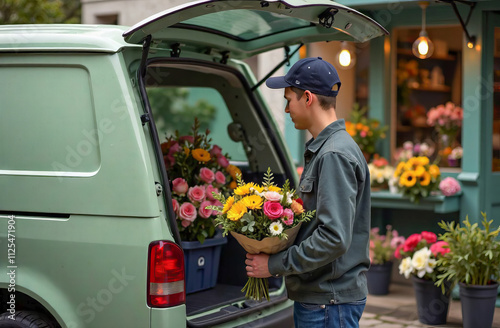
x: 437, y: 203
x: 408, y: 52
x: 433, y: 88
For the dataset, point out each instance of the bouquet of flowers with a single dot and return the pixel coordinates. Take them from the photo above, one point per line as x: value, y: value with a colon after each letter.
x: 446, y: 118
x: 417, y: 178
x: 380, y: 172
x: 263, y: 218
x: 383, y: 247
x: 366, y: 132
x: 196, y: 170
x: 420, y: 253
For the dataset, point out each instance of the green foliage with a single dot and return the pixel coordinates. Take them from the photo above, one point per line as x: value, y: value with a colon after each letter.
x: 474, y: 256
x: 173, y: 111
x: 39, y: 11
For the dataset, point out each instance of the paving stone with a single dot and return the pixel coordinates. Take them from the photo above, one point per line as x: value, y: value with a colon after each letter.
x: 365, y: 323
x: 390, y: 325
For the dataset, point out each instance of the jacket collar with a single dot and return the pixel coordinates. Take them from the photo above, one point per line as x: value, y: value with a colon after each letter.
x: 313, y: 145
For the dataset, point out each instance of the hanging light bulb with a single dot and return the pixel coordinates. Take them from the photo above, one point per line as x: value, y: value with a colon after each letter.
x: 345, y: 57
x: 423, y: 47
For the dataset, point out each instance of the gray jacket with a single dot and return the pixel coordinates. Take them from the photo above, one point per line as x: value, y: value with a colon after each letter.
x: 328, y: 261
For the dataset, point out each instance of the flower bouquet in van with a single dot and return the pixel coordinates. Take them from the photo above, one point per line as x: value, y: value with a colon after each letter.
x: 263, y: 219
x: 196, y: 169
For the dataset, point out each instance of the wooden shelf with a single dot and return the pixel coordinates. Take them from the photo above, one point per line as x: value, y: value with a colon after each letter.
x: 437, y: 203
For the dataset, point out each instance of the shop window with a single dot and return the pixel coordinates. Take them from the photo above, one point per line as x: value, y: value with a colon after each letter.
x: 422, y: 85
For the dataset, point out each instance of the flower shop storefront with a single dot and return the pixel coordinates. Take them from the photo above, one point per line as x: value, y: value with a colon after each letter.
x: 444, y: 106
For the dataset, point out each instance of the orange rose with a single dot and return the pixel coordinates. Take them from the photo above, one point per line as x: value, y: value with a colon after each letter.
x: 296, y: 207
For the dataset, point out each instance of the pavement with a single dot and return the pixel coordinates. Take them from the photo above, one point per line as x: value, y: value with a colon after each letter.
x: 398, y: 309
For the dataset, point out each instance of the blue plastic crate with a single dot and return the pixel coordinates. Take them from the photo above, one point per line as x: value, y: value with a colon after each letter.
x: 202, y: 263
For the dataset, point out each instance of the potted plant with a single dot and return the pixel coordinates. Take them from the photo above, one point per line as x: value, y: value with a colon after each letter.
x: 474, y: 262
x: 420, y: 254
x: 196, y: 170
x: 417, y: 178
x: 382, y: 248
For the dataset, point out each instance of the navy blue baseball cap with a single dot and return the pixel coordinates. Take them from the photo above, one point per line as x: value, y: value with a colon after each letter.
x: 313, y: 74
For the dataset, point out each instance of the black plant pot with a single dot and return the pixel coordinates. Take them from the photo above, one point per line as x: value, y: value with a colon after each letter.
x: 478, y: 305
x: 432, y: 304
x: 379, y: 278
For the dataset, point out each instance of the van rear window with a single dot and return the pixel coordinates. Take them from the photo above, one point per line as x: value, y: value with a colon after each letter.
x: 47, y: 122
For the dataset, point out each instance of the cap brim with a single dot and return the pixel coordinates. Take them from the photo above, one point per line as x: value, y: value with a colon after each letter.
x: 277, y: 82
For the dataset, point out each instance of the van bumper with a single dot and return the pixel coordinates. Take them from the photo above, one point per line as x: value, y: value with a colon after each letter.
x: 169, y: 317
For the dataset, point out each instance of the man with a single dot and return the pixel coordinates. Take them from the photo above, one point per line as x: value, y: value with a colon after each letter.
x: 325, y: 269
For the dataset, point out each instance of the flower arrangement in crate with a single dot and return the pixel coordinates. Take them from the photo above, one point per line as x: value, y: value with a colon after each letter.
x: 365, y: 131
x: 196, y: 169
x: 383, y: 247
x: 380, y: 172
x: 263, y: 219
x: 417, y: 178
x: 420, y: 253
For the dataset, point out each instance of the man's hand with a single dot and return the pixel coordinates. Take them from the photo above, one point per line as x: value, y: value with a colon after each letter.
x: 257, y: 265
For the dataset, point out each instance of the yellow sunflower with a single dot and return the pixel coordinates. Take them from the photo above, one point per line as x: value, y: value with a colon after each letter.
x: 408, y: 179
x: 425, y: 179
x: 227, y: 206
x: 236, y: 211
x: 201, y: 155
x: 399, y: 169
x: 244, y: 189
x: 409, y: 165
x: 419, y: 170
x: 434, y: 171
x: 252, y: 202
x: 423, y: 160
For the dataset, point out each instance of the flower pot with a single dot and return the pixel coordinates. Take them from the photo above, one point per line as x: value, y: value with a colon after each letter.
x: 478, y: 305
x: 432, y: 304
x: 379, y: 278
x: 202, y: 262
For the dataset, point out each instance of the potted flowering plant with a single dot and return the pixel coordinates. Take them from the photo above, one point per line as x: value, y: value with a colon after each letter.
x: 263, y: 219
x: 417, y: 178
x: 380, y: 172
x: 365, y: 131
x: 473, y: 261
x: 420, y: 254
x: 455, y: 157
x: 382, y: 254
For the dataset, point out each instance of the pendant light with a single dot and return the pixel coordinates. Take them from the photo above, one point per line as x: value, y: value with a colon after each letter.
x: 345, y: 58
x: 423, y: 46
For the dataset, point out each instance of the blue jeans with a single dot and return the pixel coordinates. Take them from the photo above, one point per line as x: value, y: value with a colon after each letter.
x: 345, y: 315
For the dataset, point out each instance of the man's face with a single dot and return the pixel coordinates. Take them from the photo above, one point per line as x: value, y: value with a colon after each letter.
x: 297, y: 109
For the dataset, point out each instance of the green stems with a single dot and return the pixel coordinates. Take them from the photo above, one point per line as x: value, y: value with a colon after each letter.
x: 256, y: 289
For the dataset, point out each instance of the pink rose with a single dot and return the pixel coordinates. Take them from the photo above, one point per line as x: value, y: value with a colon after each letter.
x: 216, y: 150
x: 438, y: 248
x: 430, y: 237
x: 273, y: 196
x: 175, y: 205
x: 207, y: 175
x: 362, y: 133
x: 220, y: 178
x: 174, y: 149
x: 185, y: 223
x: 203, y: 211
x: 222, y: 161
x: 397, y: 252
x: 179, y: 186
x: 208, y: 192
x: 187, y: 211
x: 273, y: 210
x: 196, y: 194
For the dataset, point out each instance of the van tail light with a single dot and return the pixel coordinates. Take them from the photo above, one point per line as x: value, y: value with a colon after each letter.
x: 166, y: 282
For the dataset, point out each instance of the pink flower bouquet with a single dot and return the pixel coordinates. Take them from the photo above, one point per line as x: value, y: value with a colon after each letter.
x: 263, y: 219
x: 196, y: 170
x: 446, y: 118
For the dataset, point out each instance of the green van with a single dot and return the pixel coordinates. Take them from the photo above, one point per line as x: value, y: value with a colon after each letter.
x: 84, y: 194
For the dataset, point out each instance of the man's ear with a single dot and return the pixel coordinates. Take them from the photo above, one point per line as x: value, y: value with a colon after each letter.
x: 308, y: 96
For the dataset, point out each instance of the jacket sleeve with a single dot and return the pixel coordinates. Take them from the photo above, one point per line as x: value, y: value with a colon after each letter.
x: 335, y: 211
